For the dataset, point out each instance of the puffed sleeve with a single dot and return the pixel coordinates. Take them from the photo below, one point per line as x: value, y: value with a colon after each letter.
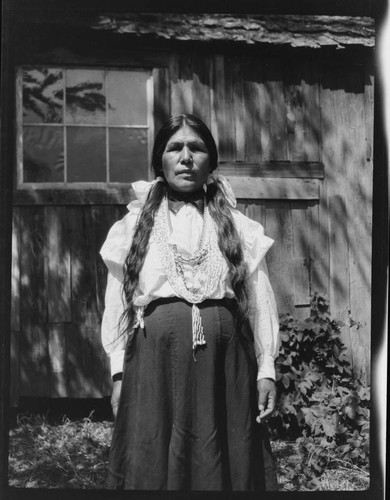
x: 114, y: 252
x: 264, y: 321
x: 118, y: 241
x: 113, y: 341
x: 263, y: 309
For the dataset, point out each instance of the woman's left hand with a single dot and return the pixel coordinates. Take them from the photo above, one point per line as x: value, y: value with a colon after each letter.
x: 267, y: 398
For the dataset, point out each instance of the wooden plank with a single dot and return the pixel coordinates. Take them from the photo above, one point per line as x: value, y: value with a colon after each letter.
x: 278, y: 226
x: 360, y: 175
x: 344, y: 150
x: 181, y: 84
x: 285, y: 189
x: 294, y: 111
x: 123, y: 194
x: 83, y: 291
x: 241, y: 206
x: 57, y: 265
x: 253, y: 119
x: 175, y: 84
x: 302, y: 110
x: 186, y: 83
x: 83, y: 258
x: 256, y: 211
x: 335, y: 151
x: 85, y: 377
x: 238, y: 106
x: 108, y: 195
x: 288, y: 169
x: 339, y: 266
x: 273, y: 112
x: 84, y: 346
x: 311, y: 111
x: 223, y: 102
x: 58, y: 366
x: 318, y: 222
x: 228, y: 110
x: 301, y: 260
x: 202, y: 68
x: 33, y: 345
x: 161, y: 93
x: 369, y: 114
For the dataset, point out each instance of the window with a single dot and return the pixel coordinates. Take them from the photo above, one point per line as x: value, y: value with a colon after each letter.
x: 83, y: 126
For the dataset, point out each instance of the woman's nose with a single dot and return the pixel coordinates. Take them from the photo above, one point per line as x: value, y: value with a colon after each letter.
x: 186, y: 156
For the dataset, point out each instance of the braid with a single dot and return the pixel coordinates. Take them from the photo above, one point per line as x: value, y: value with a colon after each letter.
x: 228, y: 240
x: 230, y: 246
x: 138, y: 250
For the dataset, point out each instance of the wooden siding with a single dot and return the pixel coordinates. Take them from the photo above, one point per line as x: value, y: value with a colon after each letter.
x: 294, y: 137
x: 58, y: 298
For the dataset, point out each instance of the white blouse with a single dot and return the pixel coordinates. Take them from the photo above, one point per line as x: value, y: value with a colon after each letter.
x: 153, y: 284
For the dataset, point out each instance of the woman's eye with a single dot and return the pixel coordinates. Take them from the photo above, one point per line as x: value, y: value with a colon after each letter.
x: 173, y: 148
x: 198, y: 149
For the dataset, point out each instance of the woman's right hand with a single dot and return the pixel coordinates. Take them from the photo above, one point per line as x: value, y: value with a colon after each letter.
x: 116, y: 392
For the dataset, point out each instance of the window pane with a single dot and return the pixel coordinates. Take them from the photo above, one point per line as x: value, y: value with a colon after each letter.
x: 43, y: 154
x: 43, y: 96
x: 86, y: 154
x: 127, y: 104
x: 128, y: 154
x: 85, y: 97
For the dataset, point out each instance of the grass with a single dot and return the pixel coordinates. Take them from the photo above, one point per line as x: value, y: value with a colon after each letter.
x: 66, y: 454
x: 346, y: 477
x: 74, y: 454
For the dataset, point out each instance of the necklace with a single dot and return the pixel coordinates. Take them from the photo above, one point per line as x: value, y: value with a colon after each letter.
x: 192, y: 277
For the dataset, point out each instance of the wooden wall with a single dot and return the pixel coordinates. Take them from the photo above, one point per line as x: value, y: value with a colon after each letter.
x: 277, y: 111
x: 58, y: 300
x: 295, y: 139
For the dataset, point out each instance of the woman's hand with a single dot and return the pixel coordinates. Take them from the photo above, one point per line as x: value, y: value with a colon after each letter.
x: 116, y: 392
x: 267, y: 398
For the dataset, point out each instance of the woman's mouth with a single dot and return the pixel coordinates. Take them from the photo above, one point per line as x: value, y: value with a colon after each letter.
x: 185, y: 172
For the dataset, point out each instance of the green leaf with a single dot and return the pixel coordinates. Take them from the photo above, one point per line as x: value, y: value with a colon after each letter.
x: 350, y: 412
x: 329, y: 427
x: 285, y: 380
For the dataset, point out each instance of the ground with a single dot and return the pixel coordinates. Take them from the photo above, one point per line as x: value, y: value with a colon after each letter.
x: 73, y: 454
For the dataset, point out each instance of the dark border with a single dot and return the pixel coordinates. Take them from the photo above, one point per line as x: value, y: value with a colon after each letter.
x: 12, y: 9
x: 299, y: 7
x: 6, y: 185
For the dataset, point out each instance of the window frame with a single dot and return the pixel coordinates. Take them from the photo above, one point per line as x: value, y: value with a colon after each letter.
x: 65, y: 186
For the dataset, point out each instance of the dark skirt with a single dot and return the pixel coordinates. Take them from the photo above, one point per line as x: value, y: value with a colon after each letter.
x: 186, y: 421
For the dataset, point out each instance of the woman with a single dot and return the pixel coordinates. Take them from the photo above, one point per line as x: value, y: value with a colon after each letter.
x: 190, y: 326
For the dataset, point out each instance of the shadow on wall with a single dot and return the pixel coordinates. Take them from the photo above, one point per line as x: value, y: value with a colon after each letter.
x: 307, y: 110
x: 296, y: 110
x: 58, y: 305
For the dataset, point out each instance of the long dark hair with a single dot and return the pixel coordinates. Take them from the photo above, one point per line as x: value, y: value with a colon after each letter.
x: 228, y: 237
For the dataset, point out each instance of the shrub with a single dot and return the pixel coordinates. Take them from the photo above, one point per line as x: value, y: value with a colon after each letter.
x: 320, y: 403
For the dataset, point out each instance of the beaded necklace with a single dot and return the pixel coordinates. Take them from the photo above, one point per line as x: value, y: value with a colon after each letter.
x: 193, y: 278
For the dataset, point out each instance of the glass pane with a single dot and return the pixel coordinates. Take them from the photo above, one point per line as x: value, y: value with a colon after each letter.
x: 43, y: 154
x: 43, y: 95
x: 127, y: 104
x: 128, y: 154
x: 85, y: 97
x: 86, y: 154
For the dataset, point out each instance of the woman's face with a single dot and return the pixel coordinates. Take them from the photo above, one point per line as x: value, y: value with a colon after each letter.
x: 185, y: 161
